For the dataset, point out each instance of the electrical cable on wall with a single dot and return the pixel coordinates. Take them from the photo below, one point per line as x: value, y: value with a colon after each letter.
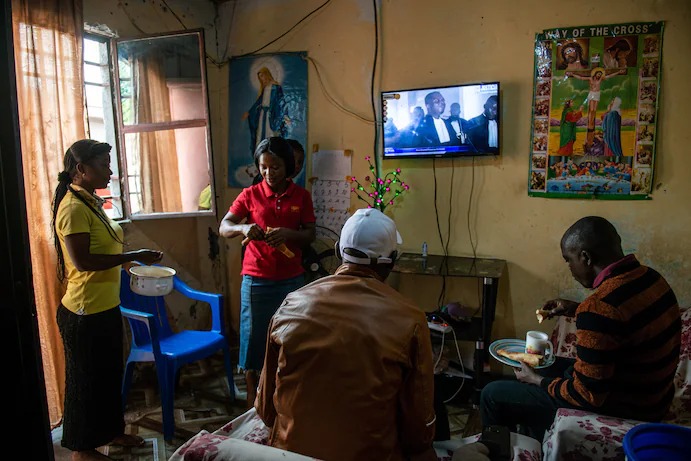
x: 333, y: 100
x: 174, y: 14
x: 225, y: 61
x: 448, y: 221
x: 217, y: 26
x: 442, y: 293
x: 286, y: 32
x: 473, y: 245
x: 444, y: 244
x: 132, y: 21
x: 445, y: 261
x: 377, y: 126
x: 330, y: 98
x: 127, y: 13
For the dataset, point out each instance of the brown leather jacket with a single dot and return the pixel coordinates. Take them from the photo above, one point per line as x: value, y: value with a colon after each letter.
x: 348, y: 373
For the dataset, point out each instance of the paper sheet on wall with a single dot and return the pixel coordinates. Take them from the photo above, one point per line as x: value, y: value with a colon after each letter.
x: 331, y: 191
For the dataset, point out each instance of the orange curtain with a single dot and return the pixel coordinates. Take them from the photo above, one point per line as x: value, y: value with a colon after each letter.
x: 159, y: 171
x: 48, y: 61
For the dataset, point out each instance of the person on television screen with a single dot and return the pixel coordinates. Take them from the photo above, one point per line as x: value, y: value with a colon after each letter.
x: 434, y: 130
x: 457, y: 123
x: 408, y: 136
x: 483, y: 130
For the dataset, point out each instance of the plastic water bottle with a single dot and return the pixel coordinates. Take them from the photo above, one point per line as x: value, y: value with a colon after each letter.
x: 424, y: 249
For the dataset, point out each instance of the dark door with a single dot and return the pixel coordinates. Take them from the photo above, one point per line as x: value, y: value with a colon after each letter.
x: 24, y: 405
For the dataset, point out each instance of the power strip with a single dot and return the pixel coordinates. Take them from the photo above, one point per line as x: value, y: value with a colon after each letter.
x: 440, y: 327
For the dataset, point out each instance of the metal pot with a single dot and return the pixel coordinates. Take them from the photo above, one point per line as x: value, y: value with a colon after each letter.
x: 151, y: 280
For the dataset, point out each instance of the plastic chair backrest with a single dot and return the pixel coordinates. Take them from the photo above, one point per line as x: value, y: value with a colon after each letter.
x: 154, y: 305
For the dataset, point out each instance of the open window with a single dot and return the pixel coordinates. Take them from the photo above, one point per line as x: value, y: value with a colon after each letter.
x: 100, y: 114
x: 163, y: 125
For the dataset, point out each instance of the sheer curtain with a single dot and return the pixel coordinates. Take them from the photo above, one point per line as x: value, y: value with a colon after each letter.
x: 159, y: 173
x: 48, y: 61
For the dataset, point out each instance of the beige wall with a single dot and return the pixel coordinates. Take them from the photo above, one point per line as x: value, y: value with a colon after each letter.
x: 443, y: 42
x: 436, y: 43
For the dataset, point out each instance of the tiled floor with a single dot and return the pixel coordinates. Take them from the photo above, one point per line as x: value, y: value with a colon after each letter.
x: 202, y: 402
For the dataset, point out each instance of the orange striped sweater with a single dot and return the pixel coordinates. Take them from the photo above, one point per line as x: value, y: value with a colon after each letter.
x: 627, y: 344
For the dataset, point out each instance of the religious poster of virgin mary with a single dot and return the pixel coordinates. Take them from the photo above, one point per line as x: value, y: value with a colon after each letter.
x: 595, y: 104
x: 267, y: 97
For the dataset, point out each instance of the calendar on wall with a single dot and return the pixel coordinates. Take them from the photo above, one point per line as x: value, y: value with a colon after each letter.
x: 331, y: 190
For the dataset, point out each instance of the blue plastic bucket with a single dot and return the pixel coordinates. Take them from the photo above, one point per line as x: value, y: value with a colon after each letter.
x: 658, y: 441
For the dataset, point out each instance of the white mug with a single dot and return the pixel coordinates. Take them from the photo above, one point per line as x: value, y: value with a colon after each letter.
x: 537, y: 342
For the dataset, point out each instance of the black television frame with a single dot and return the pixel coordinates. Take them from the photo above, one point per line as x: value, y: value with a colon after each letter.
x: 465, y: 150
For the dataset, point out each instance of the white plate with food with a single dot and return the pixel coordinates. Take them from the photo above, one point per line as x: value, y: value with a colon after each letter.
x: 508, y: 351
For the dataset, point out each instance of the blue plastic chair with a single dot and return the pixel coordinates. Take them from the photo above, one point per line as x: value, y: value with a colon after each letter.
x: 154, y: 341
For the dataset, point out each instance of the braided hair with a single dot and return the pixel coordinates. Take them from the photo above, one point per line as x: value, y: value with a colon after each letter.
x: 83, y: 151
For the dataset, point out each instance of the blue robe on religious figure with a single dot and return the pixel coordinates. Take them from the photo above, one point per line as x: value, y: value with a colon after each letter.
x: 611, y: 128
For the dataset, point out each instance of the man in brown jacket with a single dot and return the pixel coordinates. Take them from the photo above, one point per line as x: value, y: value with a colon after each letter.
x: 348, y: 373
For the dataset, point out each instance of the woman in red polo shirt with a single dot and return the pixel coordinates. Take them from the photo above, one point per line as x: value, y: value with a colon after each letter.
x: 271, y: 215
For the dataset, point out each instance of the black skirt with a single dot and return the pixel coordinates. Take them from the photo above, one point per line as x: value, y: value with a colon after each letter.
x: 93, y: 414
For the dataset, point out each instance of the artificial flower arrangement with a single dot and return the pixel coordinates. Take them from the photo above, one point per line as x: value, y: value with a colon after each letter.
x: 381, y: 192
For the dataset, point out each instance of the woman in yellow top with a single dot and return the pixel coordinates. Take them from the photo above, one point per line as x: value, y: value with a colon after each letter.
x: 90, y: 252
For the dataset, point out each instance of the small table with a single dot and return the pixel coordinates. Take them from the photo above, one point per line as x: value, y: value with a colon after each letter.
x: 479, y: 329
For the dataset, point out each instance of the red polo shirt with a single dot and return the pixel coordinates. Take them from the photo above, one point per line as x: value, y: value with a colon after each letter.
x: 291, y: 209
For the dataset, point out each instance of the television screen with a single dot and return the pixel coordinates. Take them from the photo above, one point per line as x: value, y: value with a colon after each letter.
x: 461, y: 120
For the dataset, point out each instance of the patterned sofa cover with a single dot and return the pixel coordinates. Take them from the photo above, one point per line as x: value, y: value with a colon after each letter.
x: 245, y: 439
x: 582, y: 435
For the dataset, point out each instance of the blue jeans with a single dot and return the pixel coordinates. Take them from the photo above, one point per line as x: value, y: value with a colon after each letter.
x: 260, y: 298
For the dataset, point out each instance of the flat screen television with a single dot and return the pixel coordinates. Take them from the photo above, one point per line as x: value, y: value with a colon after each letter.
x: 450, y: 121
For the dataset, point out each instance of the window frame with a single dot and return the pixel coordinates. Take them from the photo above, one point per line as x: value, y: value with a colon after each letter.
x: 106, y: 39
x: 122, y: 128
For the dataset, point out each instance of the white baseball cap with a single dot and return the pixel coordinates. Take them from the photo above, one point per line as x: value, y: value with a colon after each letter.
x: 371, y: 232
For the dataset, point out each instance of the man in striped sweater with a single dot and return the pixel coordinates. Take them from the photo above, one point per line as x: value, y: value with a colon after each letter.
x: 627, y: 341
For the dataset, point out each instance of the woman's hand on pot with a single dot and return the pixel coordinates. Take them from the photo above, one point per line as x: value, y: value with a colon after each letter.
x: 148, y: 257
